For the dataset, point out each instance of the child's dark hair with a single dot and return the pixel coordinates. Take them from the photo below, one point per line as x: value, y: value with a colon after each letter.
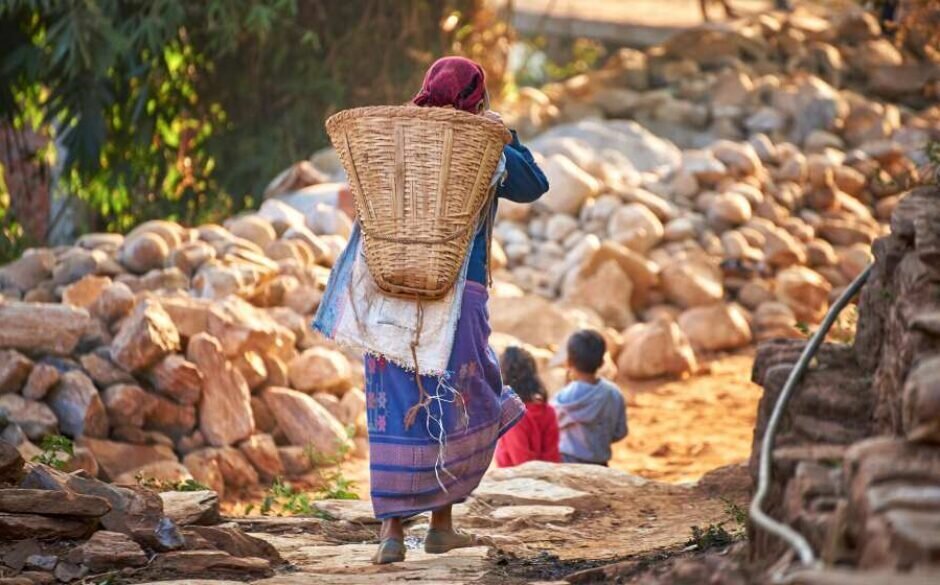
x: 586, y: 350
x: 521, y: 374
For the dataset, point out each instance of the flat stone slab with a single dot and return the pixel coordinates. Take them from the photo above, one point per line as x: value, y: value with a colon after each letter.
x: 351, y: 565
x: 359, y: 511
x: 541, y: 514
x: 525, y: 490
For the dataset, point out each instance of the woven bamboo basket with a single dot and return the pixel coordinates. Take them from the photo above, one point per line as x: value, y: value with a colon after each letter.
x: 420, y: 178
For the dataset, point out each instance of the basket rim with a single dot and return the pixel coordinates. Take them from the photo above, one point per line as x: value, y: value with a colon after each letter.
x: 434, y: 114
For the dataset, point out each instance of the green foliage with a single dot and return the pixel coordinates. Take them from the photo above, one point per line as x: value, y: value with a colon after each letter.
x: 282, y: 499
x: 580, y: 56
x: 161, y: 485
x: 56, y: 451
x: 335, y: 485
x: 184, y: 110
x: 736, y: 513
x: 716, y: 535
x: 712, y: 536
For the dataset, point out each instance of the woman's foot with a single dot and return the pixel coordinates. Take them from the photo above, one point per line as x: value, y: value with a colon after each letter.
x: 442, y: 536
x: 391, y: 544
x: 441, y: 541
x: 390, y: 551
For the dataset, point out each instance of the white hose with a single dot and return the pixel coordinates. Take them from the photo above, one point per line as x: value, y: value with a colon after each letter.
x: 793, y: 538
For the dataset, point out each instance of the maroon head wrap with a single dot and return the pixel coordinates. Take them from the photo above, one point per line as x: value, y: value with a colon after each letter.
x: 453, y: 81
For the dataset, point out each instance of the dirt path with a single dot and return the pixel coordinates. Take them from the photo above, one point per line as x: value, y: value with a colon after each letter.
x: 550, y: 520
x: 681, y: 429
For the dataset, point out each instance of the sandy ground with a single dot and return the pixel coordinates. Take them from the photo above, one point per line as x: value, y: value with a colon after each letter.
x: 681, y: 429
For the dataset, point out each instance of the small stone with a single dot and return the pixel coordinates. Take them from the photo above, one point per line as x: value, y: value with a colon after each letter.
x: 40, y: 380
x: 188, y: 508
x: 204, y: 466
x: 34, y: 418
x: 111, y: 550
x: 692, y: 280
x: 804, y: 291
x: 102, y: 370
x: 11, y: 463
x: 261, y: 451
x: 144, y: 252
x: 84, y: 293
x: 14, y: 370
x: 42, y: 562
x: 636, y: 227
x: 177, y: 378
x: 170, y: 418
x: 237, y: 471
x: 128, y: 403
x: 67, y: 572
x: 145, y: 337
x: 78, y: 407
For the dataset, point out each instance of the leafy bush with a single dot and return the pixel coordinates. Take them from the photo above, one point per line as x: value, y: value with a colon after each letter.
x: 184, y: 110
x: 56, y: 451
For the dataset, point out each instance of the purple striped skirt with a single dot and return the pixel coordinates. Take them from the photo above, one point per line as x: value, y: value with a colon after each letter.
x: 442, y: 457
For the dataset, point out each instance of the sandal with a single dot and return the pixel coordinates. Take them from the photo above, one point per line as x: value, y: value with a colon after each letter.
x: 441, y: 541
x: 391, y: 550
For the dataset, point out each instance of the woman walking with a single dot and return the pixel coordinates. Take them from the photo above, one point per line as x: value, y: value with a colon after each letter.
x: 433, y: 454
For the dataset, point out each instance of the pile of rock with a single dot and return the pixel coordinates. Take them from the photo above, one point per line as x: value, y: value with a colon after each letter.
x: 711, y: 192
x: 721, y: 188
x: 59, y: 527
x: 176, y: 353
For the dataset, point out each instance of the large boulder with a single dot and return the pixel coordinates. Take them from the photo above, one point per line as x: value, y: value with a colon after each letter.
x: 805, y: 291
x: 77, y: 405
x: 34, y: 418
x: 656, y: 349
x: 15, y: 369
x: 716, y: 327
x: 606, y: 289
x: 636, y: 227
x: 320, y: 369
x: 145, y: 337
x: 692, y: 280
x: 225, y: 415
x: 305, y: 422
x: 41, y: 327
x: 569, y: 185
x: 643, y: 273
x: 115, y: 459
x: 536, y: 321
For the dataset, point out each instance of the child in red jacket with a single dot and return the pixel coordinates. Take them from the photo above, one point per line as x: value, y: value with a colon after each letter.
x: 535, y: 437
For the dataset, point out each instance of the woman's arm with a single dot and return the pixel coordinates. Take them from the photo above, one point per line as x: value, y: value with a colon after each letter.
x: 524, y: 181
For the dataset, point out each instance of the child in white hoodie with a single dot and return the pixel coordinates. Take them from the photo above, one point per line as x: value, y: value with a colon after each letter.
x: 592, y: 413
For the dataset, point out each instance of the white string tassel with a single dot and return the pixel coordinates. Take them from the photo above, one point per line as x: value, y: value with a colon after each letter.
x: 440, y: 398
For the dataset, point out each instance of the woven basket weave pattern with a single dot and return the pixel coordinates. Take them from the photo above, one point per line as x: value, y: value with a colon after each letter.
x: 420, y: 178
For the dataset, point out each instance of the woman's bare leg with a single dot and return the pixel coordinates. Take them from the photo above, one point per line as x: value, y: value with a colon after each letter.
x: 391, y: 546
x: 392, y: 528
x: 442, y: 519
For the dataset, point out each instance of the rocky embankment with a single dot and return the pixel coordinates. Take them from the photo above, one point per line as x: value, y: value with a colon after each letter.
x: 176, y: 353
